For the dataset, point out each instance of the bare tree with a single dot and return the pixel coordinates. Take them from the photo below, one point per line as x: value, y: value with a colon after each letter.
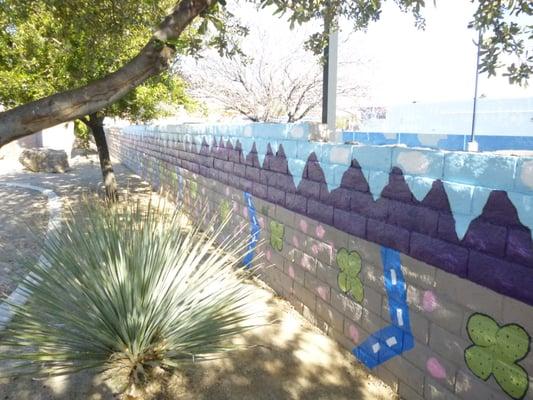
x: 269, y: 87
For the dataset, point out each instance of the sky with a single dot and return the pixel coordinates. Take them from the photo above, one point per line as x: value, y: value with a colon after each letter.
x: 398, y: 62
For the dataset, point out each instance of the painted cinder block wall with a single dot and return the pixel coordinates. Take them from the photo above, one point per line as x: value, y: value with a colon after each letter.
x: 419, y: 262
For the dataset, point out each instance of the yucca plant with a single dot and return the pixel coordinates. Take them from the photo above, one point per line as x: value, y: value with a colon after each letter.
x: 130, y: 289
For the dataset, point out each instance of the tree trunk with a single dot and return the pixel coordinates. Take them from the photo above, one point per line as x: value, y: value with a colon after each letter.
x: 96, y: 124
x: 153, y: 59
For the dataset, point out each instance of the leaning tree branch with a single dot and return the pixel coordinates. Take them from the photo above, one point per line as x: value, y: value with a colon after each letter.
x: 154, y: 58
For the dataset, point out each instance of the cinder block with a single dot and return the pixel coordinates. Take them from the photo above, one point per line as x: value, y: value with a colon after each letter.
x: 418, y: 273
x: 407, y: 372
x: 480, y: 169
x: 408, y: 393
x: 368, y: 251
x: 469, y: 387
x: 388, y: 377
x: 524, y: 175
x: 307, y: 297
x: 434, y: 391
x: 428, y: 163
x: 372, y: 300
x: 469, y: 294
x: 436, y: 309
x: 346, y: 305
x: 373, y: 157
x: 337, y: 154
x: 340, y: 338
x: 433, y: 365
x: 319, y: 288
x: 330, y: 315
x: 319, y: 250
x: 447, y: 344
x: 284, y: 216
x: 517, y: 312
x: 295, y: 272
x: 327, y: 274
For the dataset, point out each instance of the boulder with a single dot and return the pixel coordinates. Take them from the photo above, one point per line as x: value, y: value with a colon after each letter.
x: 41, y: 159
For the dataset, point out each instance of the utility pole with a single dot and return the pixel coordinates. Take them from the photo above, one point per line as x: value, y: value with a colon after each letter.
x: 329, y: 79
x: 472, y: 145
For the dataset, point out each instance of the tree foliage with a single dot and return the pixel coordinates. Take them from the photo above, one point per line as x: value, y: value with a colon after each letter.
x: 505, y: 25
x: 55, y: 45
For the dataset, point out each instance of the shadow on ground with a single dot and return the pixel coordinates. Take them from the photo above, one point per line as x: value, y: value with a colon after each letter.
x: 284, y: 358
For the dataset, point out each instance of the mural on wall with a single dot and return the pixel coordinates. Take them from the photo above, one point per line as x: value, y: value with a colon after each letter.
x: 496, y: 350
x: 254, y: 230
x: 396, y: 338
x: 224, y: 209
x: 349, y: 281
x: 277, y: 234
x: 193, y: 189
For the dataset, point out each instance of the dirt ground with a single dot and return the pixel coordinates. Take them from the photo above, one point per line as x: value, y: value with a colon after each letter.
x: 285, y: 358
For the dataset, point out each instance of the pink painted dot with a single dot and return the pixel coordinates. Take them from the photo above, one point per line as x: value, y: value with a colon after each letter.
x: 303, y: 226
x: 295, y: 242
x: 314, y: 249
x: 320, y: 231
x: 429, y: 301
x: 291, y: 272
x: 435, y: 368
x: 261, y: 222
x: 245, y: 212
x: 268, y: 255
x: 322, y: 292
x: 227, y: 191
x: 354, y: 333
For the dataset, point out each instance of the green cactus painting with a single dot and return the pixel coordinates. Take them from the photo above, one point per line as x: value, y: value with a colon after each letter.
x: 224, y: 209
x: 277, y: 233
x: 193, y: 189
x: 496, y: 351
x: 350, y: 267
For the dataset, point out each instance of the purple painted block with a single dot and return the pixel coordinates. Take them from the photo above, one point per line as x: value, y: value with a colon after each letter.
x: 325, y: 195
x: 413, y: 217
x: 485, y: 237
x: 276, y: 196
x: 194, y: 168
x: 499, y: 210
x: 239, y: 169
x: 520, y: 246
x: 218, y: 164
x: 364, y: 204
x: 397, y: 188
x: 353, y: 178
x: 507, y: 278
x: 266, y: 162
x: 319, y: 211
x: 253, y: 174
x: 234, y: 155
x: 259, y: 190
x: 341, y: 198
x: 234, y: 181
x: 266, y: 176
x: 388, y: 235
x: 437, y: 197
x: 204, y: 171
x: 297, y: 203
x: 223, y: 177
x: 349, y: 222
x: 279, y: 164
x: 252, y: 159
x: 447, y: 256
x: 228, y: 167
x: 213, y: 173
x: 309, y: 189
x: 446, y: 228
x: 283, y: 182
x: 314, y: 171
x: 245, y: 185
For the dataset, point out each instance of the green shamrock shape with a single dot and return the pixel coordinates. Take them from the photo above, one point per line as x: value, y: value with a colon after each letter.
x: 224, y: 209
x: 350, y: 267
x: 496, y: 351
x: 193, y: 189
x: 277, y: 232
